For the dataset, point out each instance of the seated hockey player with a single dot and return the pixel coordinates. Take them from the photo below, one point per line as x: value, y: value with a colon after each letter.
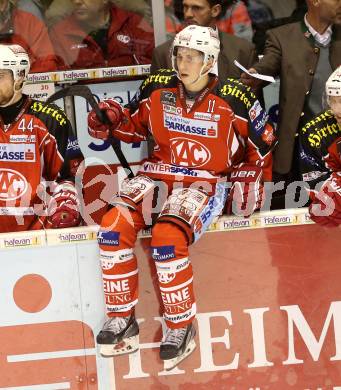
x: 33, y: 143
x: 203, y: 132
x: 320, y: 157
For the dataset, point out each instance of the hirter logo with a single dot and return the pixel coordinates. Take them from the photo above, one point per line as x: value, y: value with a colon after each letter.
x: 13, y: 185
x: 189, y: 153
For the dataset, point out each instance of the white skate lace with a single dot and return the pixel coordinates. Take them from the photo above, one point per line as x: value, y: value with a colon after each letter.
x: 174, y: 336
x: 115, y: 324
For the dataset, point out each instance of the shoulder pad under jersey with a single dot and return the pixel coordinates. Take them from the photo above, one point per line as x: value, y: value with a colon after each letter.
x: 50, y: 114
x: 163, y: 78
x: 320, y: 132
x: 240, y: 97
x: 245, y: 105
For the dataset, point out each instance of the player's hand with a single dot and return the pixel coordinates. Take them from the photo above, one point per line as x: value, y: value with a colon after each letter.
x: 326, y: 207
x: 247, y: 191
x: 63, y: 210
x: 250, y: 81
x: 113, y: 111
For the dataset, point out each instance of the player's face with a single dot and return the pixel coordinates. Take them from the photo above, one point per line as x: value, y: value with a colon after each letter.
x: 6, y: 86
x: 330, y: 11
x: 85, y: 10
x: 200, y: 12
x: 189, y: 63
x: 335, y: 106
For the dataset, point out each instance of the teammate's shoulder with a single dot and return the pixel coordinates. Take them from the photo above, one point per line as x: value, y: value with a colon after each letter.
x: 48, y: 112
x: 318, y: 121
x: 160, y: 79
x: 320, y: 131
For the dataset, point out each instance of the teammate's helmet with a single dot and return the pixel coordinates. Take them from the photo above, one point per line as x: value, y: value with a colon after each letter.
x: 333, y: 84
x: 15, y: 58
x: 203, y: 39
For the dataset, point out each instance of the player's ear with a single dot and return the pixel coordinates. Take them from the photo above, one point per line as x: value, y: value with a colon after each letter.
x: 216, y: 10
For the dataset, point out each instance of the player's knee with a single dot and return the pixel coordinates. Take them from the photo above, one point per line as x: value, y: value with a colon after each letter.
x: 169, y: 234
x: 117, y: 229
x: 118, y: 217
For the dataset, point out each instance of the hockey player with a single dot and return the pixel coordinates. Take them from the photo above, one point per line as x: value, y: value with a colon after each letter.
x: 33, y: 143
x: 320, y: 157
x: 204, y: 130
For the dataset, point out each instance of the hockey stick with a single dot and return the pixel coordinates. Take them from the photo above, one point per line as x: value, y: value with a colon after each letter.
x: 85, y: 92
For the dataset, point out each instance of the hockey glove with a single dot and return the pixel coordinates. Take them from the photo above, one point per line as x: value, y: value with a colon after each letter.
x: 63, y: 209
x: 114, y: 113
x: 326, y: 207
x: 247, y: 191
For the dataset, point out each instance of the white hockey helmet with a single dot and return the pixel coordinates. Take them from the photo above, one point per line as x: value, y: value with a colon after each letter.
x: 333, y: 84
x: 15, y: 58
x: 203, y: 39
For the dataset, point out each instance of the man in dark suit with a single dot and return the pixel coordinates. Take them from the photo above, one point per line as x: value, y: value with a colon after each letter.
x: 205, y: 13
x: 303, y: 54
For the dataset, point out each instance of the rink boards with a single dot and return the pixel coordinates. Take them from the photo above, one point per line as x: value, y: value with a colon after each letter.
x: 269, y: 310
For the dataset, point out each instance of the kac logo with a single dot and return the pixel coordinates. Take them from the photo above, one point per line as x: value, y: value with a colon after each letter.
x: 189, y: 153
x: 13, y: 185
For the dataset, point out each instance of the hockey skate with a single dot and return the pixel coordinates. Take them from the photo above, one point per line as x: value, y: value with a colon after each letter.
x: 119, y: 335
x: 176, y: 345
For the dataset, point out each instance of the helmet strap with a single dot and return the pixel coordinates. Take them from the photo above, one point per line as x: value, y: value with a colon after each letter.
x: 201, y: 74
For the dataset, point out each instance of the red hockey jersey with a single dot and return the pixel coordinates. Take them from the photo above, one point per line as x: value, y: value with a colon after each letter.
x: 225, y: 126
x: 32, y: 151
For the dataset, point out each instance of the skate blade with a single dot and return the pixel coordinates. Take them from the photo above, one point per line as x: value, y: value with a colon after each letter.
x: 129, y: 345
x: 169, y: 364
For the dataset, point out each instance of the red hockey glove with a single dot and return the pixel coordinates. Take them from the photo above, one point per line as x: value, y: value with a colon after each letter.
x: 246, y: 194
x: 328, y: 203
x: 63, y: 210
x: 113, y: 111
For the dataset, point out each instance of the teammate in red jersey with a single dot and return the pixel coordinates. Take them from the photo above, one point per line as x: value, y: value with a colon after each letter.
x: 320, y: 157
x: 204, y: 130
x: 33, y: 143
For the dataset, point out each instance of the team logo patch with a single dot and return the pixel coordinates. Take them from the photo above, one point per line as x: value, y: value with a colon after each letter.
x: 258, y: 117
x: 161, y: 253
x: 172, y: 109
x: 184, y: 125
x: 17, y: 153
x: 189, y: 153
x: 168, y: 97
x: 108, y: 238
x: 13, y: 185
x: 268, y: 136
x: 123, y: 38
